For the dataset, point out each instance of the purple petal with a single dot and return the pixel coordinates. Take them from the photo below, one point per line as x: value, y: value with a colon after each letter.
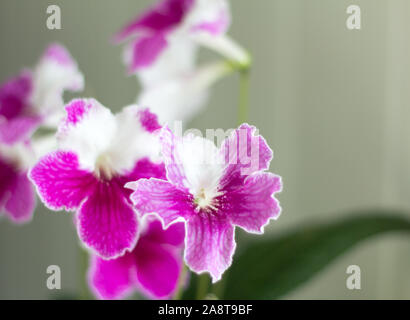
x: 210, y: 244
x: 146, y: 50
x: 106, y: 221
x: 112, y: 279
x: 7, y: 175
x: 159, y: 18
x: 60, y: 182
x: 244, y: 154
x: 14, y: 95
x: 18, y: 129
x: 158, y: 269
x: 162, y: 198
x: 252, y: 205
x: 174, y: 235
x: 22, y: 201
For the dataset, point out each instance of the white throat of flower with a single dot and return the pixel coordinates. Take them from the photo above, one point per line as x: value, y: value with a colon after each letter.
x: 203, y: 167
x: 103, y: 167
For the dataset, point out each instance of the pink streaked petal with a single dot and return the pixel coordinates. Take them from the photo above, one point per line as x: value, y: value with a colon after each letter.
x: 59, y: 54
x: 112, y: 279
x: 174, y: 235
x: 60, y: 182
x: 245, y: 153
x: 158, y: 269
x: 210, y: 244
x: 18, y: 129
x: 149, y: 120
x: 106, y: 221
x: 173, y: 163
x: 14, y: 95
x: 159, y: 18
x: 22, y: 201
x: 159, y: 197
x: 146, y: 50
x: 253, y: 204
x: 143, y: 169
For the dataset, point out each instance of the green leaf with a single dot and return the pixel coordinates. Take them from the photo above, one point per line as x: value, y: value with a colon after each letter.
x: 271, y: 268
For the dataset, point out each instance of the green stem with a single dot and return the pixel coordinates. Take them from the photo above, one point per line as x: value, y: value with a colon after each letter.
x: 181, y: 283
x: 202, y: 289
x: 243, y: 96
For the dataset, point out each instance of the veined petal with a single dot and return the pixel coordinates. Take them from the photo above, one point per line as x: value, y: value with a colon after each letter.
x: 60, y: 182
x: 158, y: 269
x: 22, y: 200
x: 253, y: 204
x: 106, y: 221
x: 55, y: 73
x: 159, y: 197
x: 209, y: 245
x: 88, y: 130
x: 112, y: 279
x: 244, y: 153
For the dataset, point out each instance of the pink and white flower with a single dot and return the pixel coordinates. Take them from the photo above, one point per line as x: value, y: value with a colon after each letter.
x: 17, y: 195
x: 97, y: 154
x: 212, y: 190
x: 183, y: 96
x: 153, y: 267
x: 34, y: 97
x: 170, y: 22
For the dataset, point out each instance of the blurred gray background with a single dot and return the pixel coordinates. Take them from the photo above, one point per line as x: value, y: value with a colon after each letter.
x: 334, y: 104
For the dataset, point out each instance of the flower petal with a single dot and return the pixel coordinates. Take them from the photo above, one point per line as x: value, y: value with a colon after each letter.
x: 14, y: 95
x: 145, y: 51
x: 161, y: 198
x: 244, y: 153
x: 112, y: 279
x: 18, y: 129
x: 209, y: 245
x: 174, y: 235
x: 55, y: 73
x: 136, y: 138
x: 172, y: 159
x: 60, y: 182
x: 252, y: 205
x: 161, y: 17
x: 106, y: 221
x: 211, y: 16
x: 158, y: 269
x: 22, y: 201
x: 87, y: 130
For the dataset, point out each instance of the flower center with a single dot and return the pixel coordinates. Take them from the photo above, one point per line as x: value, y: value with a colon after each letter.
x: 206, y: 201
